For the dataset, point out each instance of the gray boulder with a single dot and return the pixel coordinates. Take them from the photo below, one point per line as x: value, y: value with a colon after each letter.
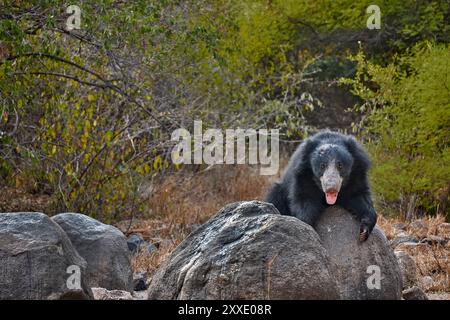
x: 136, y: 243
x: 414, y: 293
x: 403, y: 239
x: 434, y: 240
x: 104, y: 248
x: 247, y: 251
x: 250, y: 251
x: 426, y: 282
x: 151, y: 248
x: 38, y: 261
x: 140, y: 281
x: 355, y: 264
x: 407, y: 268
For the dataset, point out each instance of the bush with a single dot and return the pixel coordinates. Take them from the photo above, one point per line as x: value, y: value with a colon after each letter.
x: 407, y: 125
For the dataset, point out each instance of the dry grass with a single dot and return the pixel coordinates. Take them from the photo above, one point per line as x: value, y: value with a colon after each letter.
x: 18, y: 200
x: 431, y: 259
x: 181, y: 203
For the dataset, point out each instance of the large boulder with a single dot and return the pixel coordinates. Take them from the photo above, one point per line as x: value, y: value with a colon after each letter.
x: 37, y: 260
x: 356, y: 264
x: 403, y: 238
x: 250, y: 251
x: 247, y: 251
x: 104, y: 248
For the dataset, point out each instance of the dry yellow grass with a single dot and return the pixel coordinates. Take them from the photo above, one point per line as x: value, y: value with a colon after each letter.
x: 431, y: 259
x: 181, y: 203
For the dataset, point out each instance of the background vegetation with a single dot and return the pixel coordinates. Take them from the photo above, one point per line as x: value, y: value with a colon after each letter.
x: 86, y: 115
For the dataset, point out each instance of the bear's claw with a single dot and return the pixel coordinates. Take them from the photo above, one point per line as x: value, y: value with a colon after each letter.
x: 363, y: 233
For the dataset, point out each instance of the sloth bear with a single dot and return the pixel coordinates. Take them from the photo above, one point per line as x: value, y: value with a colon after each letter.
x: 327, y: 169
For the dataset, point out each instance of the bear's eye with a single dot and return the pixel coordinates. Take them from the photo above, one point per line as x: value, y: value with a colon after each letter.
x: 339, y: 165
x: 322, y: 165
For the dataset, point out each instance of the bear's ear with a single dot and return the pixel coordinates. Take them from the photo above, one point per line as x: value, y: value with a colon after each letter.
x: 303, y: 155
x: 360, y: 156
x: 309, y: 146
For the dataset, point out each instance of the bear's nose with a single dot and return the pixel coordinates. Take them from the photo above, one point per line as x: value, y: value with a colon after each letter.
x: 331, y: 190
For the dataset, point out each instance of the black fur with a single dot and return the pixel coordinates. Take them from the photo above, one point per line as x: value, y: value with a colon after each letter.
x: 299, y: 192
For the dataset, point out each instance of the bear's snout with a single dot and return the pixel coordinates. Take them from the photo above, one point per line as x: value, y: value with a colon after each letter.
x: 331, y: 179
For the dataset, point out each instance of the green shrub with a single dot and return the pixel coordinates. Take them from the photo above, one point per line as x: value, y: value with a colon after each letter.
x: 407, y: 124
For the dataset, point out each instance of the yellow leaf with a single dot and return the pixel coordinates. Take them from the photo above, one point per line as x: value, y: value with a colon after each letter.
x: 157, y: 163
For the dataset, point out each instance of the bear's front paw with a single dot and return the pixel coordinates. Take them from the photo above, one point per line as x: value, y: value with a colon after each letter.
x: 364, y: 232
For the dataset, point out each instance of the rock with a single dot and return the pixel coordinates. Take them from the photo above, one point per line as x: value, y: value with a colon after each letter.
x: 104, y: 248
x: 408, y: 269
x: 140, y: 281
x: 140, y: 295
x: 414, y: 293
x: 355, y: 263
x: 35, y: 257
x: 406, y: 246
x: 193, y: 227
x: 247, y: 251
x: 104, y: 294
x: 403, y: 239
x: 419, y: 228
x: 434, y: 240
x: 151, y: 248
x: 400, y: 233
x: 426, y: 282
x: 134, y: 242
x: 443, y: 230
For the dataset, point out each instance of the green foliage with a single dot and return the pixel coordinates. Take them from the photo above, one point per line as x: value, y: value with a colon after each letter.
x: 87, y: 114
x: 92, y: 124
x: 407, y: 104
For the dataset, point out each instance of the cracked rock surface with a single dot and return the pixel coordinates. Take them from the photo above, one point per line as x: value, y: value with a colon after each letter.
x: 35, y: 254
x: 249, y: 251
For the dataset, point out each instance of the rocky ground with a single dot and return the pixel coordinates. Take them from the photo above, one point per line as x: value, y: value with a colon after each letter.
x: 249, y: 251
x: 425, y: 239
x: 246, y: 251
x: 421, y: 247
x: 181, y: 204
